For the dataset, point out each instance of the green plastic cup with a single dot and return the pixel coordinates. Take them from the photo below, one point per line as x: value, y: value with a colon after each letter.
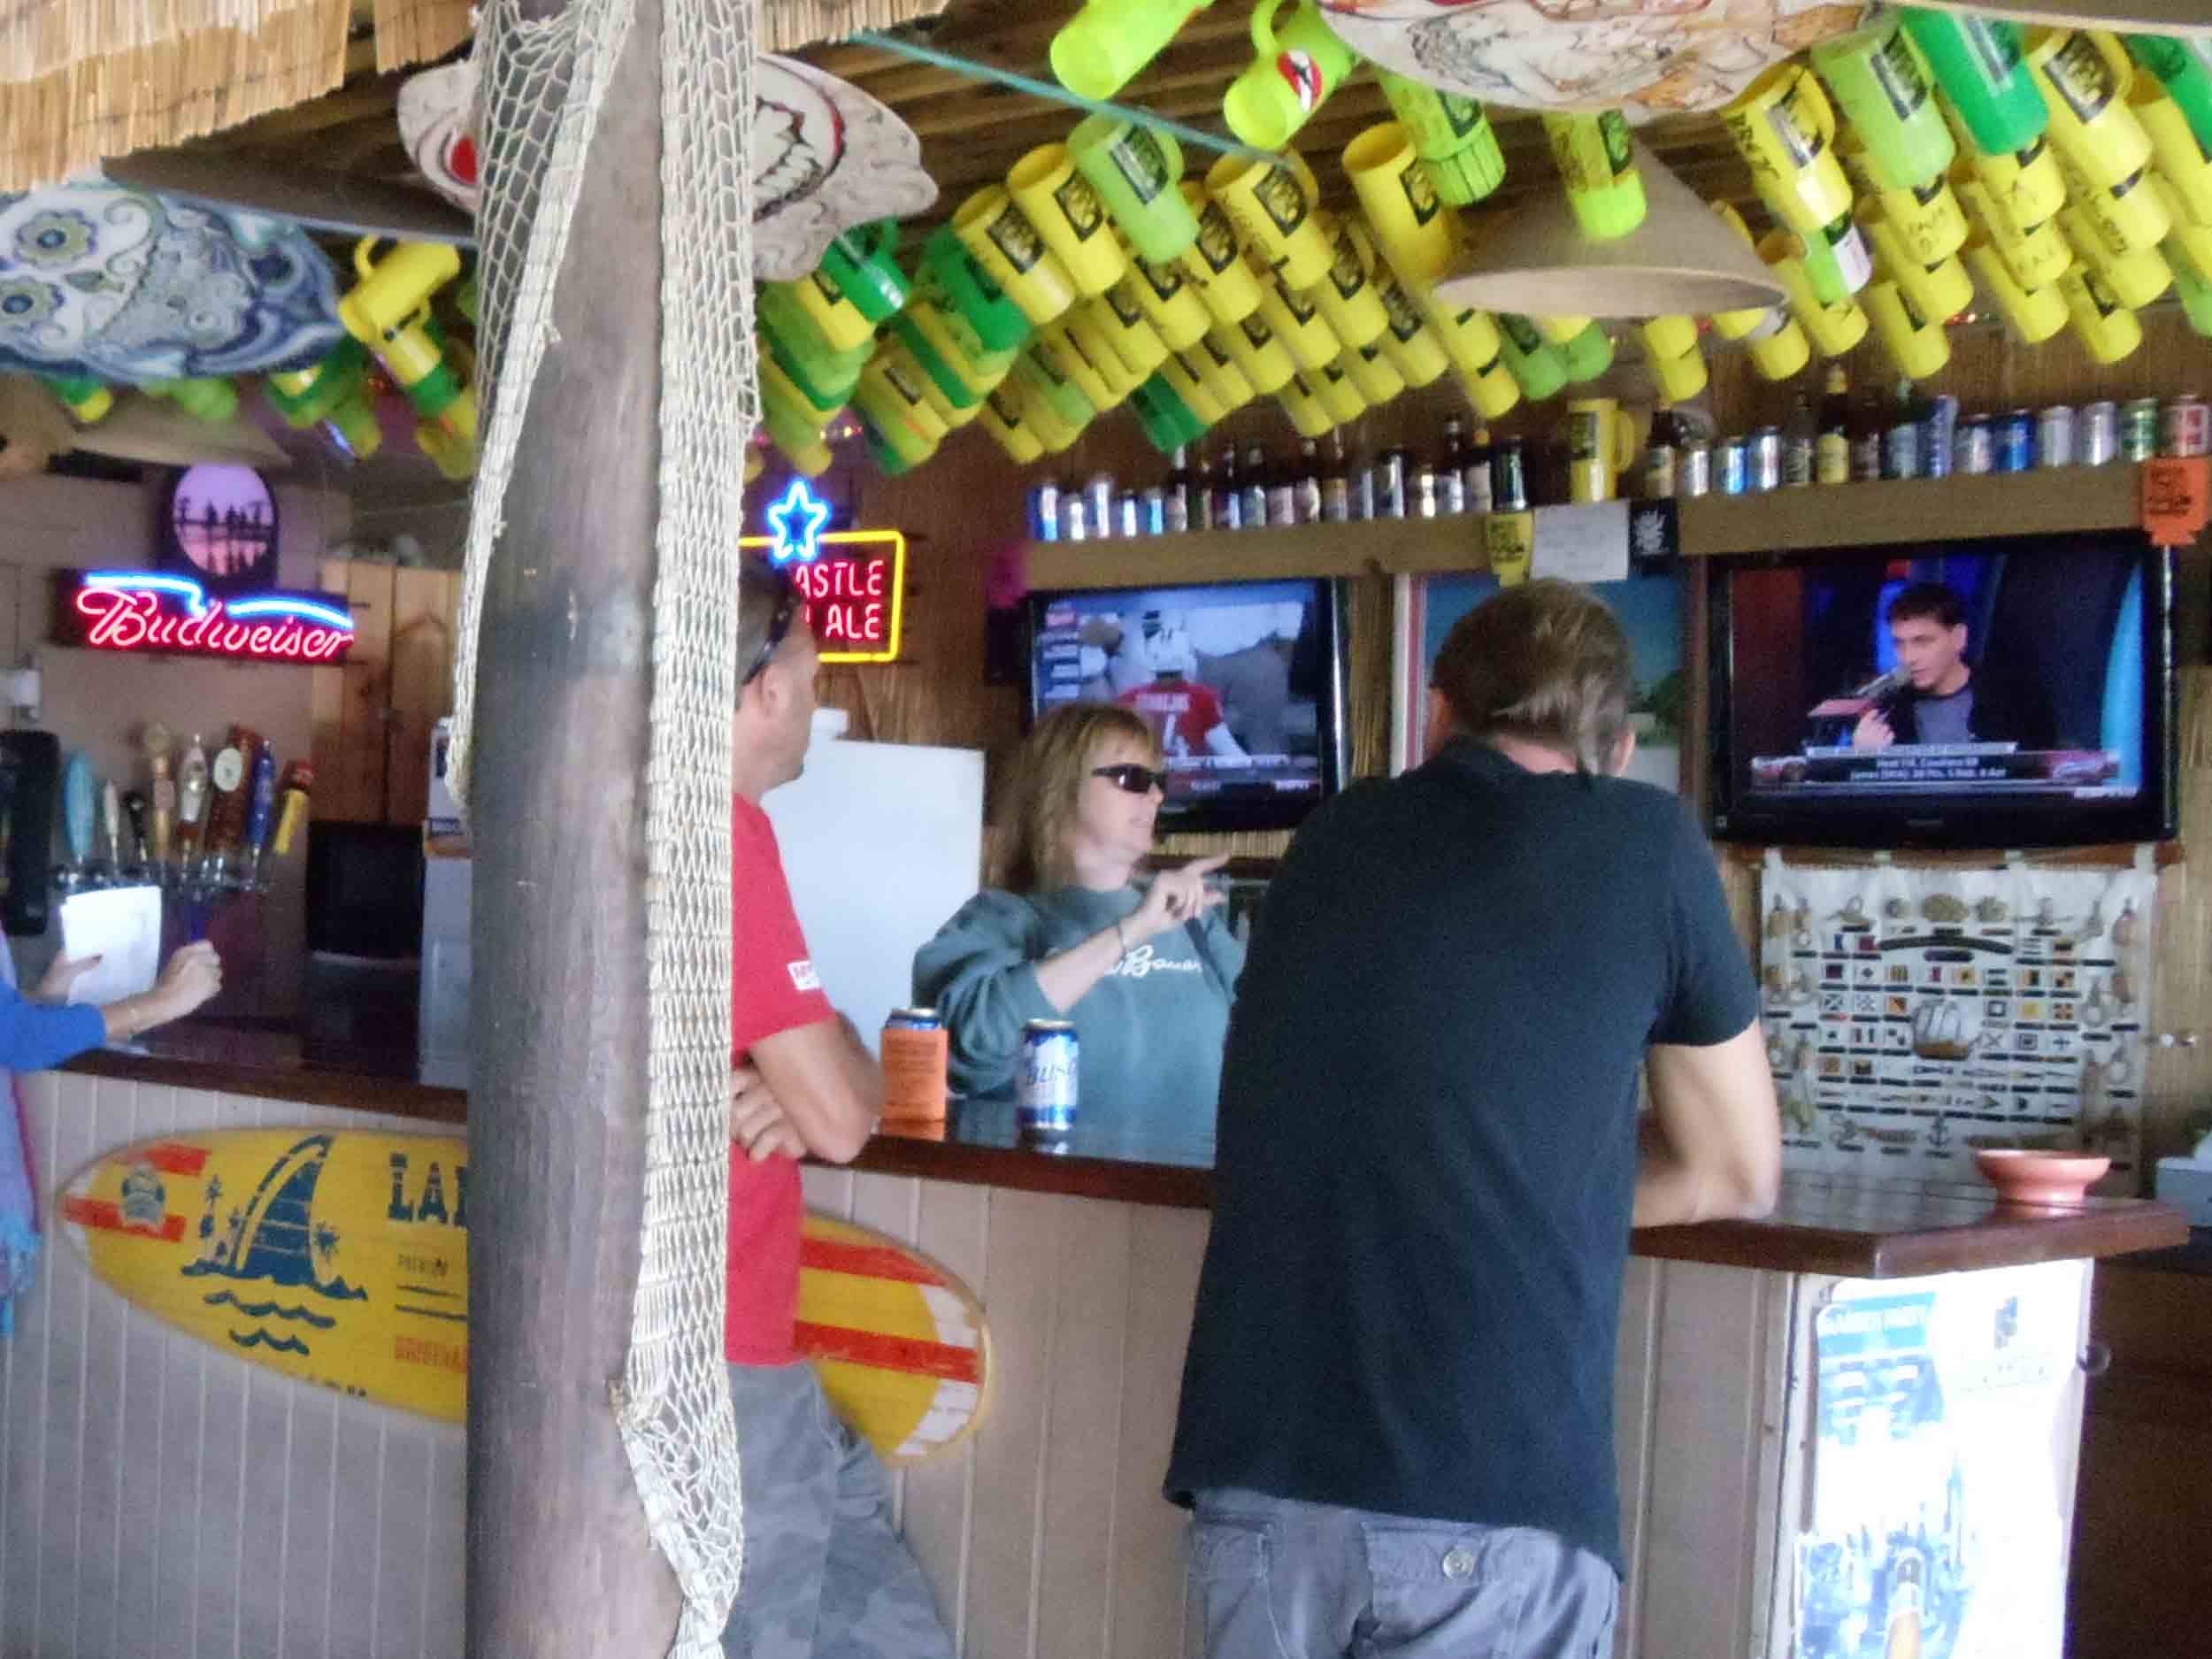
x: 2184, y: 67
x: 1977, y: 61
x: 1884, y: 87
x: 1588, y: 354
x: 984, y: 316
x: 1533, y: 362
x: 863, y: 263
x: 1838, y: 262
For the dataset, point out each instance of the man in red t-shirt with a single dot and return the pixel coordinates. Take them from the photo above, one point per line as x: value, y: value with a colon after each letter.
x: 826, y: 1575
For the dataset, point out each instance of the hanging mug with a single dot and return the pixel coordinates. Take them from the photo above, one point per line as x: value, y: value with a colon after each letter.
x: 1597, y: 163
x: 1884, y: 86
x: 2181, y: 155
x: 2136, y: 277
x: 1216, y: 262
x: 1916, y: 346
x: 1275, y: 206
x: 991, y: 225
x: 1453, y: 136
x: 2036, y: 255
x: 2084, y: 75
x: 1977, y: 63
x: 1783, y: 126
x: 2108, y: 330
x: 1135, y: 169
x: 1293, y: 72
x: 1070, y: 216
x: 1416, y: 233
x: 1601, y: 444
x: 2033, y: 314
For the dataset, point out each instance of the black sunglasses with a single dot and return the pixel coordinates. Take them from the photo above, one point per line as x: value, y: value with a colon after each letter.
x: 778, y: 627
x: 1136, y: 779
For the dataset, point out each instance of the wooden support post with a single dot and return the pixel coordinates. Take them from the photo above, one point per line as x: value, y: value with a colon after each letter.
x: 559, y: 1563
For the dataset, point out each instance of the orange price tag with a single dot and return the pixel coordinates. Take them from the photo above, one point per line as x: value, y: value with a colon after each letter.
x: 2177, y: 499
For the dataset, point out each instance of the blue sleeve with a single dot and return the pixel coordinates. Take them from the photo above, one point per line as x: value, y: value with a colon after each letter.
x: 36, y: 1035
x: 979, y: 973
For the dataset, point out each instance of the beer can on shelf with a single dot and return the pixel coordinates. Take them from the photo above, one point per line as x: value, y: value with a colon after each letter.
x: 1732, y: 466
x: 1763, y: 460
x: 1974, y: 448
x: 1693, y: 469
x: 1938, y: 434
x: 1046, y: 1084
x: 1128, y: 515
x: 1422, y: 495
x: 2138, y: 429
x: 1098, y: 495
x: 1075, y: 516
x: 2186, y: 427
x: 1152, y: 511
x: 1508, y: 477
x: 1389, y: 477
x: 2099, y: 444
x: 2054, y: 436
x: 1660, y: 463
x: 915, y: 1056
x: 2013, y: 436
x: 1044, y: 512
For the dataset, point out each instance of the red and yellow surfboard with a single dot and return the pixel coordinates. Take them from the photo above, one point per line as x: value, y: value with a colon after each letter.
x: 341, y: 1257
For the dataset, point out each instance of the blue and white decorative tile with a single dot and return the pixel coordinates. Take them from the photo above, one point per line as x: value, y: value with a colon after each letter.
x: 125, y: 286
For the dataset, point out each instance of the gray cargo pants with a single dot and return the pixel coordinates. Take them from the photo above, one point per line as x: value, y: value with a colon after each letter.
x: 825, y: 1575
x: 1275, y: 1579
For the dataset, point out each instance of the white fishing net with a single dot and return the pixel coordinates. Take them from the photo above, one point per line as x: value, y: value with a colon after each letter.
x: 542, y: 85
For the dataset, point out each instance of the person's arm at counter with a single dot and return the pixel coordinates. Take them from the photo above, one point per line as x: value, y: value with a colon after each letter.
x: 1712, y: 1145
x: 1174, y: 897
x: 34, y: 1035
x: 821, y: 1079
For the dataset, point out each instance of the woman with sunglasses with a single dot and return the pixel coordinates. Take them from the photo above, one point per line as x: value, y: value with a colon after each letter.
x: 1146, y: 971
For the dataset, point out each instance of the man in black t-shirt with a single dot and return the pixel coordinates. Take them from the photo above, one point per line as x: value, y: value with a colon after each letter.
x: 1397, y: 1409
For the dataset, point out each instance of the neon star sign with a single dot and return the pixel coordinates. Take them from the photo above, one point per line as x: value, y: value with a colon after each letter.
x: 149, y: 612
x: 854, y: 580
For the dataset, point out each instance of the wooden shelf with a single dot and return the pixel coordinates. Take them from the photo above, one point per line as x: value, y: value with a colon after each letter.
x: 1850, y: 515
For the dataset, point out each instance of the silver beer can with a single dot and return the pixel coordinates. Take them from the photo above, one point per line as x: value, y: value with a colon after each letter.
x: 2054, y: 436
x: 1693, y: 469
x: 2099, y: 444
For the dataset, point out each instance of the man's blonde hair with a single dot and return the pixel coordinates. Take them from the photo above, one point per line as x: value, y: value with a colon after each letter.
x: 1048, y: 774
x: 1546, y: 663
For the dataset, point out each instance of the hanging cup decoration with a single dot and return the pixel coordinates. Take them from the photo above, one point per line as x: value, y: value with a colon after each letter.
x: 1647, y: 57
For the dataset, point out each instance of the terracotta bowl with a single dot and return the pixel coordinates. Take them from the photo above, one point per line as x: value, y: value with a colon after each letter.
x: 2041, y: 1177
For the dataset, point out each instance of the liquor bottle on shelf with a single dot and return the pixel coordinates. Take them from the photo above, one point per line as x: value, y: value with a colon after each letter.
x: 1867, y: 425
x: 1204, y: 506
x: 1662, y: 455
x: 1306, y: 487
x: 1900, y: 433
x: 1336, y: 484
x: 1451, y: 473
x: 1801, y: 443
x: 1475, y: 474
x: 1364, y: 505
x: 1256, y: 475
x: 1175, y: 501
x: 1832, y: 450
x: 1228, y: 495
x: 1282, y: 483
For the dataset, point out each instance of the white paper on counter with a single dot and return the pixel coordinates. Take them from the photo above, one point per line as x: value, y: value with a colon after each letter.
x: 121, y: 926
x: 1587, y: 542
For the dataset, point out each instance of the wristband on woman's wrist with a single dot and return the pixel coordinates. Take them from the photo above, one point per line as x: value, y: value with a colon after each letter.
x: 1120, y: 938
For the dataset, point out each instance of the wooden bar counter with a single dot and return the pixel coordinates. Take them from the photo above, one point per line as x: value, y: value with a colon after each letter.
x: 160, y: 1485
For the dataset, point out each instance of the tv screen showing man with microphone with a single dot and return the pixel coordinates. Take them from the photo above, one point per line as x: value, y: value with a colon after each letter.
x: 1960, y: 674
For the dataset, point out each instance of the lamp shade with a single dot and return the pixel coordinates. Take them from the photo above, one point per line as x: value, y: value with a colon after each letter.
x: 1532, y: 256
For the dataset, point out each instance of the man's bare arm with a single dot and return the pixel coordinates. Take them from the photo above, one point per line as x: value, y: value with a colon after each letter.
x: 827, y: 1083
x: 1712, y: 1144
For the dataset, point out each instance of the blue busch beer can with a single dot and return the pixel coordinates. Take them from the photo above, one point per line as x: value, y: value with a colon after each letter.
x: 1046, y: 1084
x: 2013, y: 436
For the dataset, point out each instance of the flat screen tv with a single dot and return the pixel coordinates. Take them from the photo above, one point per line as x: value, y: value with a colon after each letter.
x: 1241, y: 683
x: 2000, y: 692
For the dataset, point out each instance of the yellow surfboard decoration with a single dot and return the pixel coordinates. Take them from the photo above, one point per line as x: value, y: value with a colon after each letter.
x: 341, y: 1257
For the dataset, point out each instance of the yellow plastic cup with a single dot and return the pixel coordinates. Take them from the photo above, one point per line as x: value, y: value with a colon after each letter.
x: 1347, y: 294
x: 1100, y: 48
x: 1340, y: 398
x: 2136, y: 277
x: 1216, y: 262
x: 1411, y: 227
x: 1007, y: 420
x: 2035, y: 256
x: 1756, y: 319
x: 1070, y: 216
x: 1056, y: 367
x: 836, y: 320
x: 991, y: 225
x: 2108, y: 330
x: 1080, y: 334
x: 1916, y: 346
x: 1597, y: 164
x: 1941, y: 290
x: 1261, y: 358
x: 1679, y: 379
x: 1298, y: 323
x: 1213, y: 362
x: 1562, y: 330
x: 1412, y: 348
x: 1189, y: 385
x: 1469, y: 337
x: 1782, y: 353
x: 1373, y: 373
x: 1834, y: 328
x: 1784, y: 128
x: 1494, y: 393
x: 1453, y: 135
x: 2181, y: 160
x: 1303, y: 404
x: 1120, y: 315
x: 1930, y: 223
x: 1601, y: 444
x: 1171, y: 301
x: 2084, y: 75
x: 1275, y: 206
x: 1670, y: 336
x: 2033, y: 314
x: 1294, y: 70
x: 2128, y: 217
x: 895, y: 399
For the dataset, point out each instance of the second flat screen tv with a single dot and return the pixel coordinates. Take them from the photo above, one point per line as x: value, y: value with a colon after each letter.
x: 1999, y: 692
x: 1242, y: 683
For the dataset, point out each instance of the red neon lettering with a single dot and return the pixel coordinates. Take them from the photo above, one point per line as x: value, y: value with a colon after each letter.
x: 871, y: 624
x: 122, y: 621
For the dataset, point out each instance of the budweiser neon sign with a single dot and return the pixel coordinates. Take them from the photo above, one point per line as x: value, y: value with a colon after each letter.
x: 156, y: 612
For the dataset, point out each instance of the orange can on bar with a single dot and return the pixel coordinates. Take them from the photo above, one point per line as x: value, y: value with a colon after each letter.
x: 915, y: 1055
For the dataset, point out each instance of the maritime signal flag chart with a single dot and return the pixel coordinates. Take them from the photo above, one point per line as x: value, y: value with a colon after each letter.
x: 341, y: 1258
